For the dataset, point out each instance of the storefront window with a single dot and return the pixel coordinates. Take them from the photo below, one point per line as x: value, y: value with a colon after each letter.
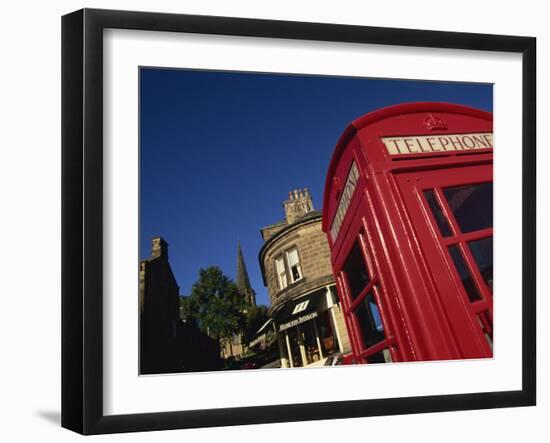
x: 294, y: 342
x: 472, y: 206
x: 310, y: 341
x: 356, y: 271
x: 329, y: 342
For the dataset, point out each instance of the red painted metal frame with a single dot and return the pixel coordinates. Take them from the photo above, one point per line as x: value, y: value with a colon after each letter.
x: 459, y: 309
x: 425, y: 311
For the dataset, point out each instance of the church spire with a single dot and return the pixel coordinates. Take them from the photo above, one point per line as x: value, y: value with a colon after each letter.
x: 243, y: 282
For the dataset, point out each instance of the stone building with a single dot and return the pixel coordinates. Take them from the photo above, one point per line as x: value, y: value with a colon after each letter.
x: 295, y: 264
x: 166, y: 343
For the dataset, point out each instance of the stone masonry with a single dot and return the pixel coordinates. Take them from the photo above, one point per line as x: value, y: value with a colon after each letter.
x: 301, y: 230
x: 314, y: 254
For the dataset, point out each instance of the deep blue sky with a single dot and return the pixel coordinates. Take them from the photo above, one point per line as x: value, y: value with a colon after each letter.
x: 221, y: 150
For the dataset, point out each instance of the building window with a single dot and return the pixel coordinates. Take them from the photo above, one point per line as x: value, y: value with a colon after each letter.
x: 288, y: 261
x: 281, y: 273
x: 294, y: 265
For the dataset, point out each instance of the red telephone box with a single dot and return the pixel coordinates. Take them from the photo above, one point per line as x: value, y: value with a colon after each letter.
x: 408, y: 212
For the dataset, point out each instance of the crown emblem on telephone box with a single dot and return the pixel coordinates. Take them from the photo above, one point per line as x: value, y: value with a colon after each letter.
x: 432, y: 123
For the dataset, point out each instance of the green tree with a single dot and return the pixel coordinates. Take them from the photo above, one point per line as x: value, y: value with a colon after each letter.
x: 215, y: 305
x: 254, y: 318
x: 187, y: 310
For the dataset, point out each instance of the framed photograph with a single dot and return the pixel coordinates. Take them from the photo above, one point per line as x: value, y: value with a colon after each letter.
x: 269, y: 221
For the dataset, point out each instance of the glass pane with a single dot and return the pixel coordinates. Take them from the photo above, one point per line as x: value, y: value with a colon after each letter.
x: 482, y: 250
x: 294, y: 340
x: 380, y: 357
x: 376, y: 315
x: 356, y: 271
x: 438, y: 213
x: 294, y: 265
x: 472, y: 206
x: 295, y: 273
x: 280, y: 265
x: 464, y: 273
x: 369, y: 322
x: 292, y: 257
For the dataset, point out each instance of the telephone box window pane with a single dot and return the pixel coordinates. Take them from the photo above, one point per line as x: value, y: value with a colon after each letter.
x: 370, y: 324
x: 356, y: 271
x: 482, y: 250
x: 438, y: 213
x: 383, y: 356
x: 472, y: 206
x: 375, y: 315
x: 464, y: 273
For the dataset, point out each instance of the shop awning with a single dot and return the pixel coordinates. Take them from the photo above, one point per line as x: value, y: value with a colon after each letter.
x: 257, y: 340
x: 301, y: 310
x: 264, y: 326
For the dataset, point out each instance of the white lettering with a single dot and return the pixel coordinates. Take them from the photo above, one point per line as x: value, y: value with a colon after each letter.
x: 297, y: 321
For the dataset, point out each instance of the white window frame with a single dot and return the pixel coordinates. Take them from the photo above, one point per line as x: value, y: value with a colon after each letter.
x: 299, y: 267
x: 281, y: 273
x: 285, y: 276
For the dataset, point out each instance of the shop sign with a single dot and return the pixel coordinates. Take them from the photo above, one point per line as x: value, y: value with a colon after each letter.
x: 297, y: 321
x: 300, y: 307
x: 417, y: 144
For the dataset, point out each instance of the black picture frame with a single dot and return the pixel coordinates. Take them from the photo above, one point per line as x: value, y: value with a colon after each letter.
x: 82, y: 218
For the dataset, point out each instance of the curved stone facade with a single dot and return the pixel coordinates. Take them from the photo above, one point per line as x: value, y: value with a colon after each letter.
x: 314, y: 258
x: 295, y: 263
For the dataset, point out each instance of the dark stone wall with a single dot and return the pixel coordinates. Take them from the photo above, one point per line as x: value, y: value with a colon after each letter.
x: 166, y: 343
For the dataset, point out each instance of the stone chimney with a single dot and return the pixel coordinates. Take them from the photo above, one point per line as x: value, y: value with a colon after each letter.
x: 160, y: 248
x: 299, y: 203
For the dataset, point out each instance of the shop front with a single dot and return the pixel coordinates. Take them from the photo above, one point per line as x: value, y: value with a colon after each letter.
x: 408, y: 215
x: 307, y: 328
